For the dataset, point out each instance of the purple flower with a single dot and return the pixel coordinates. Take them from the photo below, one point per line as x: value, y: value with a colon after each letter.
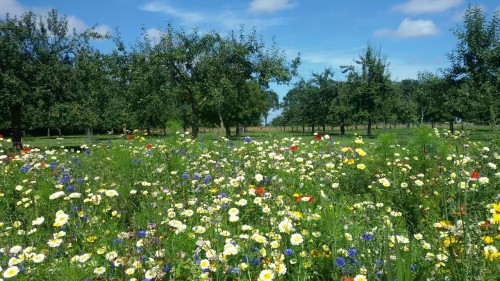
x: 351, y: 252
x: 165, y: 268
x: 206, y: 179
x: 340, y: 262
x: 366, y: 236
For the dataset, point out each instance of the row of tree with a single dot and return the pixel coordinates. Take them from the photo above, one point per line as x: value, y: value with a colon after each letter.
x: 469, y: 90
x: 52, y: 77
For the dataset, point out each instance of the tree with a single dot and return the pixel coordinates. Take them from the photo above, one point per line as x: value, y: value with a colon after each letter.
x: 34, y: 57
x: 371, y: 85
x: 475, y: 68
x: 223, y: 78
x: 325, y: 94
x: 341, y: 108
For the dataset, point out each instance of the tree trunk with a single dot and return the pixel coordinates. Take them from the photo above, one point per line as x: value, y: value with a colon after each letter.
x: 228, y: 131
x: 89, y: 134
x: 324, y: 128
x: 48, y: 132
x: 15, y: 113
x: 452, y: 127
x: 369, y: 126
x: 194, y: 119
x: 237, y: 130
x: 342, y: 127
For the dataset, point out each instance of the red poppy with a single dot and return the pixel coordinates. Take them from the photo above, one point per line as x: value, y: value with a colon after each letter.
x: 297, y: 198
x: 474, y: 175
x: 349, y: 279
x: 318, y: 137
x: 293, y: 147
x: 26, y: 150
x: 259, y: 190
x: 1, y: 136
x: 43, y: 163
x: 129, y: 137
x: 148, y: 146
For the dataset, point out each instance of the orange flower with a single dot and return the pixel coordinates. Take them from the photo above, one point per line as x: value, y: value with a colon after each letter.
x: 148, y: 146
x: 259, y: 190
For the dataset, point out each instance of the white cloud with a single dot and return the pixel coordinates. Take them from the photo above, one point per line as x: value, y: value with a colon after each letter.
x: 426, y: 6
x: 233, y: 21
x: 222, y: 19
x: 11, y: 7
x: 410, y: 28
x: 269, y: 6
x: 79, y: 26
x: 186, y: 17
x: 103, y: 29
x: 76, y: 24
x: 154, y: 35
x: 16, y: 9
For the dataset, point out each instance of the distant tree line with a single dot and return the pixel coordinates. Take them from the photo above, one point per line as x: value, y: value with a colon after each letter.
x: 54, y: 78
x: 469, y: 90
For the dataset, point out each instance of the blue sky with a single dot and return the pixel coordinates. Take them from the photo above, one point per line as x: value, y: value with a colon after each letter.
x: 414, y: 35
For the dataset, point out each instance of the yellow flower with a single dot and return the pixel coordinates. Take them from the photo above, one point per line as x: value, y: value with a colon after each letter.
x: 449, y: 240
x: 496, y: 218
x: 487, y: 239
x: 361, y: 166
x: 91, y: 239
x: 495, y: 208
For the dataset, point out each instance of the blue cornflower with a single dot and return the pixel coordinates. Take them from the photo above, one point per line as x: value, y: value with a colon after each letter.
x: 141, y: 233
x: 248, y: 139
x: 206, y: 179
x: 366, y: 236
x: 117, y: 241
x: 351, y: 252
x: 196, y: 175
x: 24, y: 168
x: 185, y: 176
x: 340, y: 262
x: 288, y: 252
x: 165, y: 268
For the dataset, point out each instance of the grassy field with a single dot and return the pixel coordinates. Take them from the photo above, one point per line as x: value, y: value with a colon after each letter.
x: 405, y: 204
x: 402, y: 134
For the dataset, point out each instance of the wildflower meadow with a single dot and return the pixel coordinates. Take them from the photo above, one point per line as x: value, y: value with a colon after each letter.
x: 294, y: 208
